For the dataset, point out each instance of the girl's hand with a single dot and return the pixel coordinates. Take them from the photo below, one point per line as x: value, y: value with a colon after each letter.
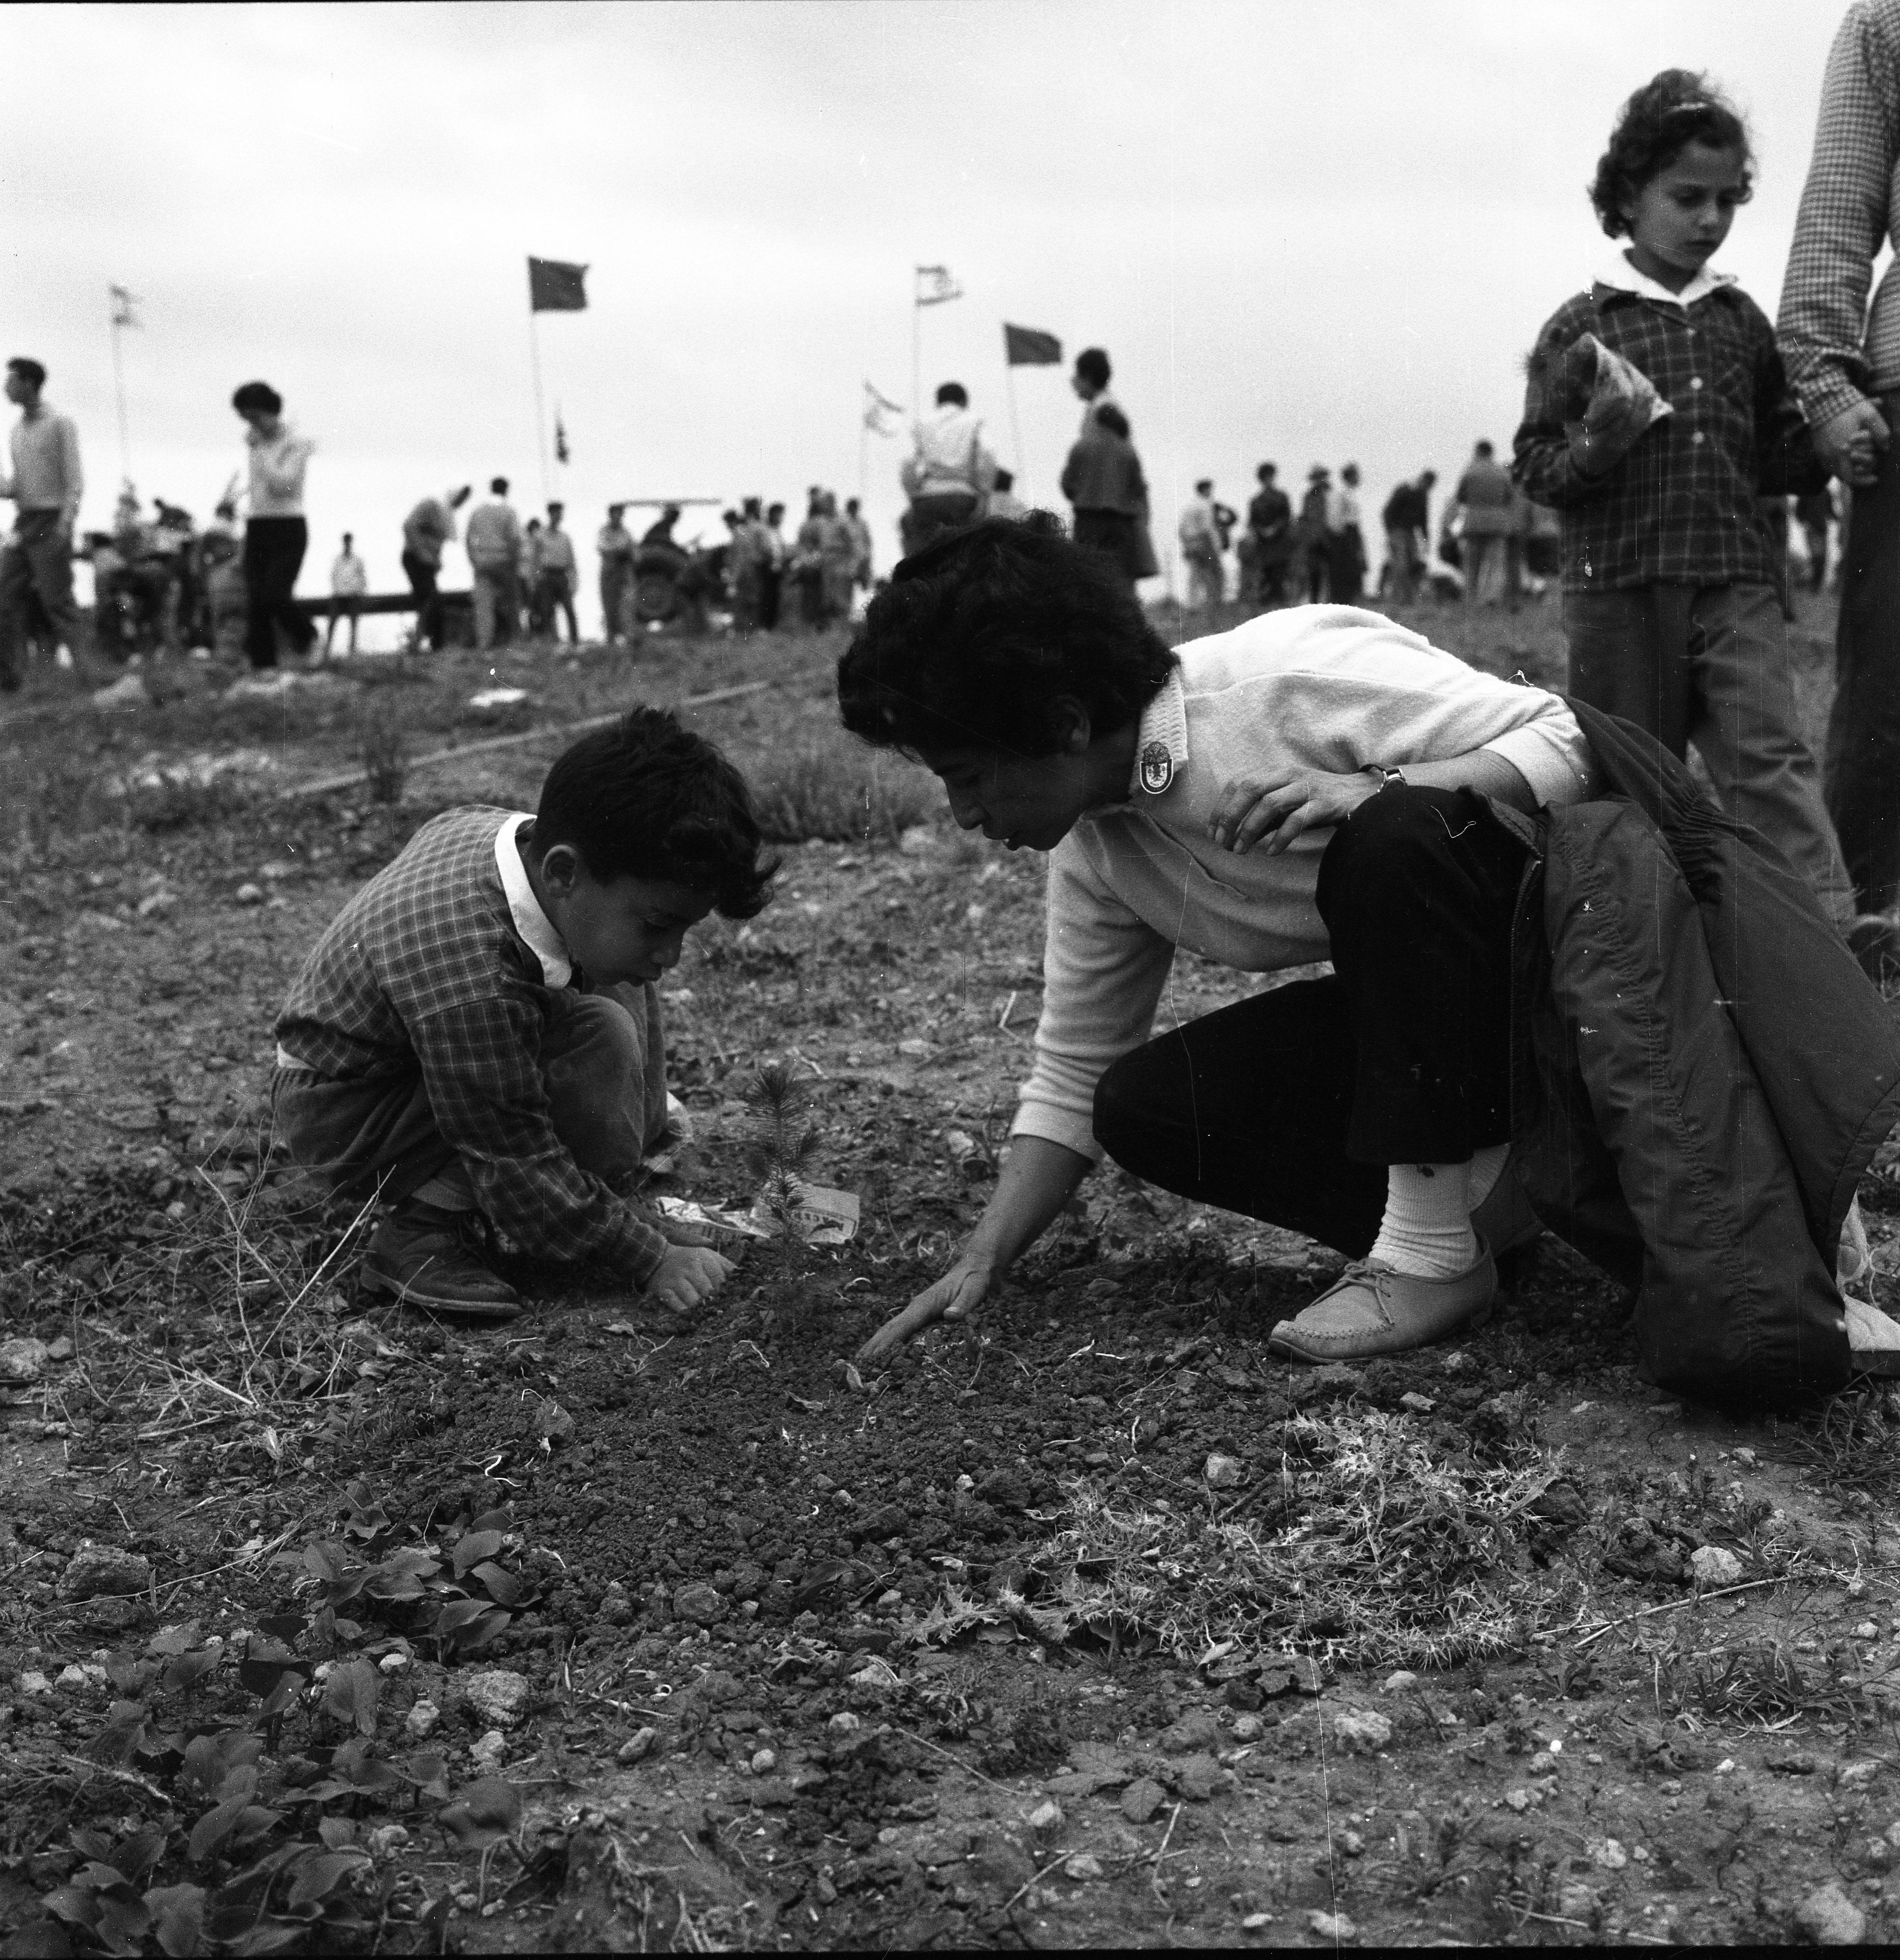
x: 1251, y: 809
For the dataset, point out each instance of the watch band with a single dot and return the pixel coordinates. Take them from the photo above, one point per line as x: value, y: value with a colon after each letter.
x: 1386, y: 777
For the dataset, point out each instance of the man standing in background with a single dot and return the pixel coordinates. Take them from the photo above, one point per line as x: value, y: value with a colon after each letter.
x: 45, y: 482
x: 554, y: 576
x: 615, y: 544
x: 348, y: 582
x: 949, y: 472
x: 1200, y: 533
x: 1407, y: 518
x: 493, y: 548
x: 427, y: 529
x: 1844, y: 361
x: 1270, y: 526
x: 1345, y: 542
x: 1485, y: 495
x: 1090, y: 381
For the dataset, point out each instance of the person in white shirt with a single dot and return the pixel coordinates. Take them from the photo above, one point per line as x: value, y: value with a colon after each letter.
x: 45, y: 483
x: 949, y: 471
x: 275, y: 536
x: 1202, y: 542
x: 492, y: 539
x: 1310, y: 786
x: 555, y: 573
x: 348, y: 582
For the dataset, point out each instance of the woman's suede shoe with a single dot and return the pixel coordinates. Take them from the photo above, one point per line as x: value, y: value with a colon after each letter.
x: 1373, y: 1310
x: 429, y: 1267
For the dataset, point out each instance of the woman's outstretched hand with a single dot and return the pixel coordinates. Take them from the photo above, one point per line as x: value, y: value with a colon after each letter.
x: 1251, y: 809
x: 954, y: 1297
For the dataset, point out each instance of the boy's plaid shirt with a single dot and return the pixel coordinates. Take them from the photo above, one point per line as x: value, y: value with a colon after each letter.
x: 1683, y: 507
x: 424, y: 970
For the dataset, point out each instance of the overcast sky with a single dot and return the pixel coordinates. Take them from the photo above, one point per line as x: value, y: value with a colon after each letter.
x: 1305, y: 230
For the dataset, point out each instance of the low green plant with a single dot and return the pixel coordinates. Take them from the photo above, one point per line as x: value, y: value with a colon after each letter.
x: 835, y: 795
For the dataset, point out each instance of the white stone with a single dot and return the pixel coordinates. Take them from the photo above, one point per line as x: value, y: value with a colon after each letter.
x: 1254, y: 1921
x: 72, y: 1675
x: 1334, y: 1925
x: 490, y: 1749
x: 34, y: 1682
x: 844, y: 1723
x: 22, y: 1359
x: 249, y: 895
x: 499, y: 1695
x: 1401, y: 1682
x: 638, y: 1746
x: 387, y: 1838
x: 1047, y: 1816
x: 1830, y: 1918
x: 1714, y: 1566
x: 423, y: 1720
x: 1362, y: 1730
x: 1248, y: 1729
x: 1607, y: 1854
x: 1222, y: 1472
x: 764, y: 1761
x: 1083, y: 1866
x: 393, y: 1663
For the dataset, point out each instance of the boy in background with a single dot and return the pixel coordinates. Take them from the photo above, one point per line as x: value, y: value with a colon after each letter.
x: 1657, y: 419
x: 477, y: 1035
x: 348, y: 582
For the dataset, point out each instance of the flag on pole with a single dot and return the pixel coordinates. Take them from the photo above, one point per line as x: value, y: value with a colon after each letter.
x: 123, y: 305
x: 1027, y: 347
x: 878, y: 411
x: 556, y: 286
x: 560, y: 439
x: 934, y: 285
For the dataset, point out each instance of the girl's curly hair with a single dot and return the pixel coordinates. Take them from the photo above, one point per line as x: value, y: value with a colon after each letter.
x: 1664, y: 116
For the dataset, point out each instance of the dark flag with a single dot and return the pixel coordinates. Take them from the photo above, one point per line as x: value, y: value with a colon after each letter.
x: 1025, y: 347
x: 560, y: 439
x: 556, y: 286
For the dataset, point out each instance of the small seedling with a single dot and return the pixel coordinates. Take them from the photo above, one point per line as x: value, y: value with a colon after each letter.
x: 780, y: 1147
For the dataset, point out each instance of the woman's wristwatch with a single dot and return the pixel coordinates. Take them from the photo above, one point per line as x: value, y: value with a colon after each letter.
x: 1386, y: 777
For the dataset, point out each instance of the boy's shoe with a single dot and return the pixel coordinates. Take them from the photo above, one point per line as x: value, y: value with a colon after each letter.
x: 1373, y: 1310
x: 428, y: 1265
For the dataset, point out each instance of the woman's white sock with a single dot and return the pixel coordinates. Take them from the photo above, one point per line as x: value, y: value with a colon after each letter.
x: 1426, y: 1231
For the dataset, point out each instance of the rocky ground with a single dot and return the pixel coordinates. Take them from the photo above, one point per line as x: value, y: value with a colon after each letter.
x: 1095, y: 1625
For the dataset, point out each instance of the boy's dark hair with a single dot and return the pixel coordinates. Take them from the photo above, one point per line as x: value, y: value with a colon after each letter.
x: 257, y: 398
x: 1112, y: 418
x: 1092, y: 364
x: 498, y: 486
x: 1664, y: 116
x: 28, y: 370
x: 978, y: 635
x: 1266, y: 470
x: 953, y: 391
x: 646, y: 798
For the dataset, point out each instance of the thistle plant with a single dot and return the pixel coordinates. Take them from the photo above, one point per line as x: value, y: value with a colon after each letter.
x: 780, y: 1146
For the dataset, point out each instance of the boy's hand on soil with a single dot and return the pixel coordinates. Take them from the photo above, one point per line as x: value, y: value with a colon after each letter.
x: 1250, y: 809
x: 954, y: 1296
x: 688, y: 1276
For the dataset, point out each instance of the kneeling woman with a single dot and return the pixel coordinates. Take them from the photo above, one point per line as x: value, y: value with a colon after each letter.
x: 1321, y: 784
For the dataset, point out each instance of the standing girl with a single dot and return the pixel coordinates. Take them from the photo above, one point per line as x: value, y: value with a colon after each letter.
x: 1656, y: 418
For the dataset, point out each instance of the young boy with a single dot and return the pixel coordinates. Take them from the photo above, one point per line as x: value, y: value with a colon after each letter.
x: 1657, y: 418
x: 477, y: 1031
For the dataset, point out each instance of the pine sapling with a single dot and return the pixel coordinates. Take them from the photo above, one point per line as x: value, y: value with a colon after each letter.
x: 780, y: 1146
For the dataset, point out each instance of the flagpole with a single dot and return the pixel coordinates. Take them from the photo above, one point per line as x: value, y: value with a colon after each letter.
x: 916, y: 351
x: 1016, y: 426
x: 119, y: 386
x: 540, y: 411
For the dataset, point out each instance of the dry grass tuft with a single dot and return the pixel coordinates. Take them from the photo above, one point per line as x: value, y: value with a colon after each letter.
x: 1393, y: 1553
x: 840, y: 793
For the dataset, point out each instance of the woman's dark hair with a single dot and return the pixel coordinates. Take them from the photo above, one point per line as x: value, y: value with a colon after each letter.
x: 953, y: 391
x: 257, y: 398
x: 646, y: 798
x: 977, y: 636
x: 1653, y: 128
